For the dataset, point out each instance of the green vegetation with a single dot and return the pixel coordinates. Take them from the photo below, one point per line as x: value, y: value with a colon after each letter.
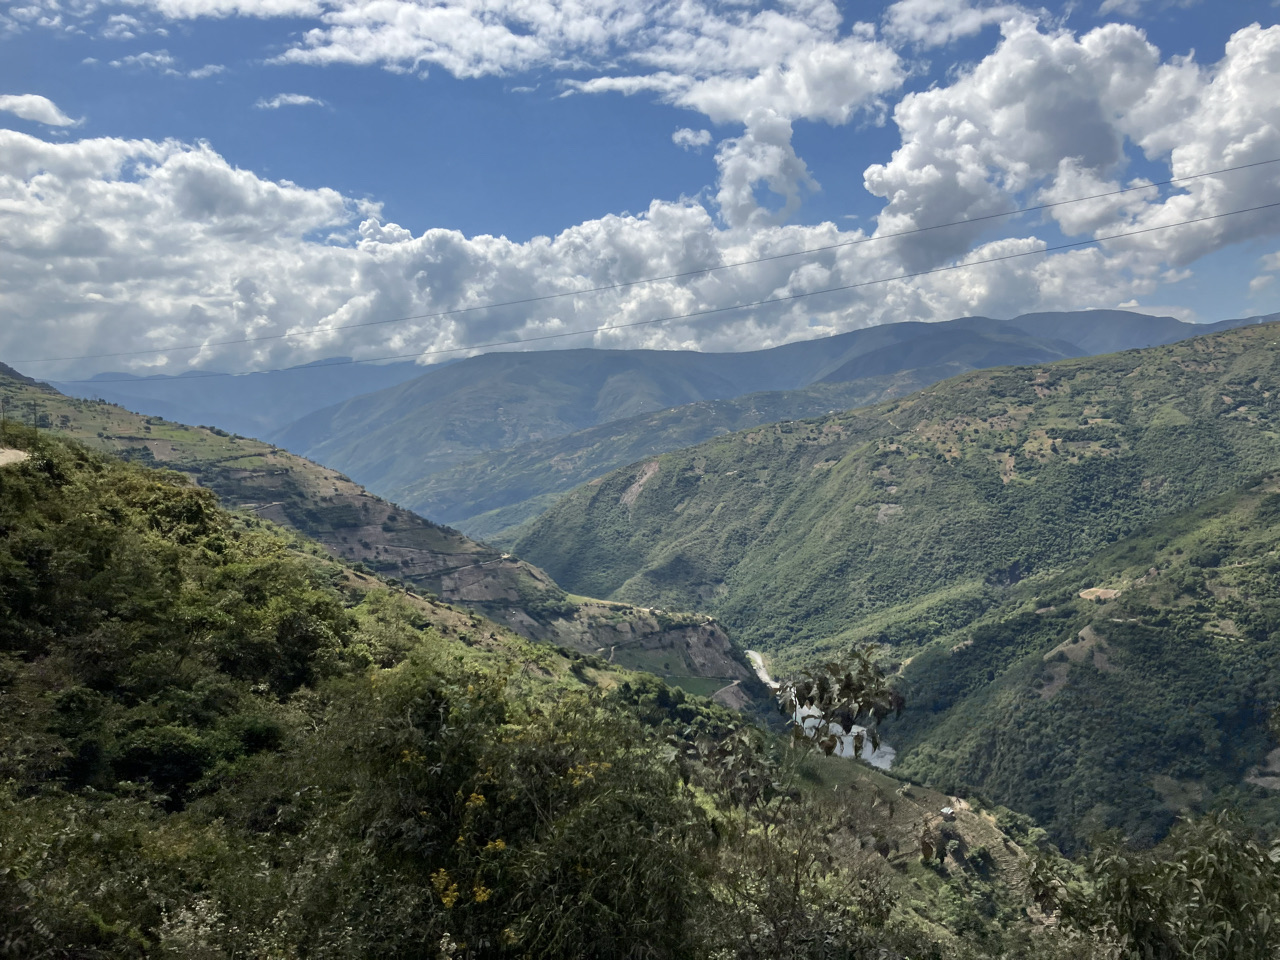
x: 957, y: 527
x: 316, y: 501
x: 1180, y: 901
x: 216, y: 740
x: 795, y: 532
x: 1147, y: 697
x: 490, y: 495
x: 326, y: 506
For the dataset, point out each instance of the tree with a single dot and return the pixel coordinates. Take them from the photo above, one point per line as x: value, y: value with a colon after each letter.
x: 1209, y: 891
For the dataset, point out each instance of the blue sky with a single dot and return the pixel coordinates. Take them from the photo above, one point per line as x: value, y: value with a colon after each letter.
x: 179, y: 173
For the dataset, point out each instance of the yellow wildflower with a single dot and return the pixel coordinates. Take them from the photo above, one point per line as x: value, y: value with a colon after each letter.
x: 445, y: 888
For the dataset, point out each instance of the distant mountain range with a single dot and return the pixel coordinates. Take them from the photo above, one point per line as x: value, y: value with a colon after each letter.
x: 251, y: 404
x: 486, y: 443
x: 528, y: 424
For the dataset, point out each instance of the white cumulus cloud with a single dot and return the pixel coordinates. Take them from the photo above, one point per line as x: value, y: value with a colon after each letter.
x: 160, y: 60
x: 121, y: 26
x: 1046, y: 117
x: 288, y: 100
x: 689, y: 139
x: 118, y: 245
x: 934, y: 23
x: 722, y: 58
x: 762, y: 154
x: 31, y: 106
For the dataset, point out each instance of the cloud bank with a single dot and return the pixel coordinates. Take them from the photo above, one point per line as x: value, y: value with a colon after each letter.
x: 127, y: 245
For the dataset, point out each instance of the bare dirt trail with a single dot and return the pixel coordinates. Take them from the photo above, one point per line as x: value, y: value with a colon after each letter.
x: 9, y: 456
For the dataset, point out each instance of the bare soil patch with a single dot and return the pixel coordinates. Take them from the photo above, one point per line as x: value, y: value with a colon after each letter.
x: 1088, y: 641
x: 1267, y: 775
x: 633, y: 491
x: 1098, y: 593
x: 8, y: 455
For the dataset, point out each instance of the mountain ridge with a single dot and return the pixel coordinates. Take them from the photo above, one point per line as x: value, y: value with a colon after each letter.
x: 977, y: 436
x: 395, y: 440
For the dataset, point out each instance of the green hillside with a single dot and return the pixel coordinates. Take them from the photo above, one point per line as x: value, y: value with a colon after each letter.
x: 217, y: 740
x: 958, y: 527
x: 491, y: 494
x: 351, y: 523
x: 1122, y: 692
x: 798, y: 532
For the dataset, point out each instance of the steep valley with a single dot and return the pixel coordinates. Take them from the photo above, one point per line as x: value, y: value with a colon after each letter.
x: 1076, y: 635
x: 217, y: 734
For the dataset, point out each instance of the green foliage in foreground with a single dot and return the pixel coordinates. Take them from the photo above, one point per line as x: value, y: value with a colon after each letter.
x: 216, y: 744
x: 209, y: 749
x: 1208, y: 892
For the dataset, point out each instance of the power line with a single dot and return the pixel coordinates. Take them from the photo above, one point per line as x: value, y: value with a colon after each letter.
x: 710, y: 311
x: 659, y: 279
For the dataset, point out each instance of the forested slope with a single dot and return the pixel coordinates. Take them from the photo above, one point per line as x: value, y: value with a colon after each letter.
x: 797, y: 532
x: 374, y: 533
x: 1119, y: 693
x: 216, y: 740
x: 966, y: 529
x: 492, y: 494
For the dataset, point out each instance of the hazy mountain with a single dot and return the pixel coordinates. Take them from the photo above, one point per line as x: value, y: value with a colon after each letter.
x: 1108, y: 331
x: 491, y: 494
x: 632, y: 382
x: 396, y: 437
x: 253, y: 404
